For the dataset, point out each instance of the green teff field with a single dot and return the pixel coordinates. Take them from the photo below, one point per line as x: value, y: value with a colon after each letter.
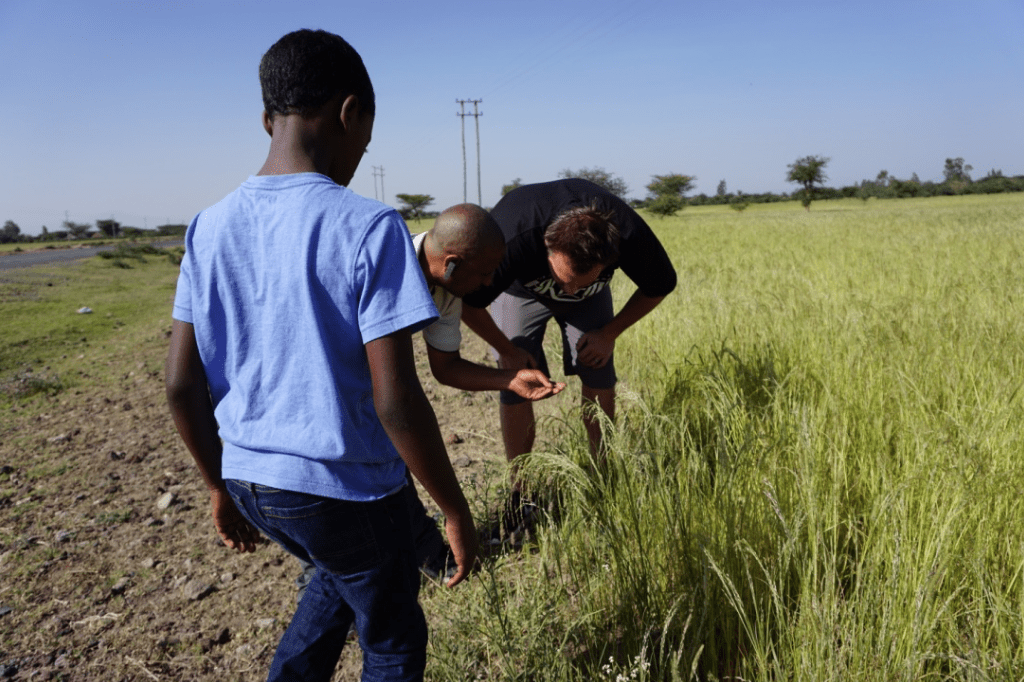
x: 815, y: 474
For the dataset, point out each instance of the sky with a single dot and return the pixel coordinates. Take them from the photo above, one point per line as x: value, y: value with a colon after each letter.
x: 147, y: 112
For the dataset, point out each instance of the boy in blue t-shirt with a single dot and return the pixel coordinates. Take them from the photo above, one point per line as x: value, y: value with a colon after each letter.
x: 291, y: 379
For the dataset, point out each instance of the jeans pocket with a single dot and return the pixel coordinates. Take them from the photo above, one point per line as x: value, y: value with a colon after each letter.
x: 338, y: 535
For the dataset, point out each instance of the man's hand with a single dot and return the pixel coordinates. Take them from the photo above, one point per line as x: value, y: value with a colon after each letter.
x: 516, y: 359
x: 463, y: 540
x: 594, y: 349
x: 533, y: 385
x: 234, y: 530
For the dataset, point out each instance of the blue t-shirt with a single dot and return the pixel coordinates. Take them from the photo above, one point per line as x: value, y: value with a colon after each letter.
x: 284, y: 281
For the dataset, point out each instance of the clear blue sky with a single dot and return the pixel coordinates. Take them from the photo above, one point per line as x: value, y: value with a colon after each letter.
x: 150, y: 111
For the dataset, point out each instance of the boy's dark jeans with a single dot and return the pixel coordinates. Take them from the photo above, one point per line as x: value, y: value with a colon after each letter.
x: 367, y: 573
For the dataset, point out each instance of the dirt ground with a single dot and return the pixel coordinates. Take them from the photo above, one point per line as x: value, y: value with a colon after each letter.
x: 109, y: 565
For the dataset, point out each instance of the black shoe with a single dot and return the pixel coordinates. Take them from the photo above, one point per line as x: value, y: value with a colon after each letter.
x: 518, y: 519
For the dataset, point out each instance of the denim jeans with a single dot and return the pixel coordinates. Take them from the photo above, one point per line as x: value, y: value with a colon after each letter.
x: 367, y: 573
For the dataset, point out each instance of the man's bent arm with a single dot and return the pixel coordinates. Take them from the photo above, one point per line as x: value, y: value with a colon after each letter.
x: 636, y: 308
x: 451, y: 369
x: 409, y: 421
x: 510, y: 355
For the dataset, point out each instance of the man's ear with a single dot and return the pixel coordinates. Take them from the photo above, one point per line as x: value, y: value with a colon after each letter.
x: 450, y: 263
x: 268, y: 123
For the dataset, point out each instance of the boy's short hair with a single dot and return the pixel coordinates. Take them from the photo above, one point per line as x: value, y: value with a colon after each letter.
x: 586, y: 235
x: 305, y: 69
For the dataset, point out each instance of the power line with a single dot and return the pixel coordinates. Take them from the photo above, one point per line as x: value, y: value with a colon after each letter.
x: 462, y: 114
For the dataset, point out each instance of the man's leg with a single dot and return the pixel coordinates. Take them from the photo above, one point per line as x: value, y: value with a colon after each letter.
x: 593, y: 398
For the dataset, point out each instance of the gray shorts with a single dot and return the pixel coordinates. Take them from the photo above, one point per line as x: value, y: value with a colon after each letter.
x: 524, y: 320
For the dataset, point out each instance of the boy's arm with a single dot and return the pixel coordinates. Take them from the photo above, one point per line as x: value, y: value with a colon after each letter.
x: 451, y: 369
x: 510, y: 356
x: 410, y: 423
x: 189, y: 400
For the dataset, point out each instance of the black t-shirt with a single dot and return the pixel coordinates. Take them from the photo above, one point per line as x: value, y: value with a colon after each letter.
x: 525, y: 213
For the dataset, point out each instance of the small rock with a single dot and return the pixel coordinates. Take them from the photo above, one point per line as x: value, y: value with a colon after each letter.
x: 6, y: 469
x: 120, y: 586
x: 63, y: 536
x: 462, y: 462
x: 194, y: 590
x: 227, y: 577
x: 9, y: 669
x: 149, y: 562
x: 152, y: 522
x: 453, y: 439
x: 61, y: 662
x: 4, y: 610
x: 84, y: 310
x: 62, y: 438
x: 116, y: 455
x: 127, y: 406
x: 264, y: 623
x: 165, y: 501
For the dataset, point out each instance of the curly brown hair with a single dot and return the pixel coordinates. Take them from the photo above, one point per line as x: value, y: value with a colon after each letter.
x: 586, y: 234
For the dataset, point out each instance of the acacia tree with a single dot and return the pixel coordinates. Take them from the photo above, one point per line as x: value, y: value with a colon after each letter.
x: 808, y: 171
x: 505, y: 189
x: 413, y: 204
x: 668, y: 191
x: 600, y: 177
x: 77, y: 230
x: 10, y: 232
x: 957, y: 171
x: 111, y: 227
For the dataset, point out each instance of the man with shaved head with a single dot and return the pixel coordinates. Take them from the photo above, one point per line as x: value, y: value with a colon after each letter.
x: 457, y: 256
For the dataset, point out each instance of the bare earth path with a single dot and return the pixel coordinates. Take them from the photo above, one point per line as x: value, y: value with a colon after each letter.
x: 109, y: 565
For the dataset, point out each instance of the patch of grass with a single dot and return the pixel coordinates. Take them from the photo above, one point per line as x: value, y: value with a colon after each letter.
x: 25, y: 384
x: 47, y: 471
x: 114, y: 518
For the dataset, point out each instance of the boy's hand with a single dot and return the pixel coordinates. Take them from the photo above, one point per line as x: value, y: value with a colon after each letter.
x: 234, y: 530
x: 462, y: 539
x: 533, y: 385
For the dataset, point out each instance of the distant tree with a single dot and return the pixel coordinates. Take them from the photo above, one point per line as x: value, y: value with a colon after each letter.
x: 994, y: 174
x: 721, y: 191
x: 505, y: 189
x: 882, y: 179
x: 673, y: 184
x: 665, y: 205
x: 76, y: 230
x: 111, y: 227
x: 914, y: 178
x: 808, y: 171
x: 171, y: 229
x: 10, y: 232
x: 600, y: 177
x: 957, y: 171
x: 413, y: 204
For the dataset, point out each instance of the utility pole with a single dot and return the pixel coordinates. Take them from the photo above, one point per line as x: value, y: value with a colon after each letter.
x: 462, y: 114
x: 375, y: 183
x: 476, y: 120
x: 462, y: 117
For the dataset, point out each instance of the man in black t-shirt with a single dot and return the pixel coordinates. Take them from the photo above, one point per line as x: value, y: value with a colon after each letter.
x: 564, y: 241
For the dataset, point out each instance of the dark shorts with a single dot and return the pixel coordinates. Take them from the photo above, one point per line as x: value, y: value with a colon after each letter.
x: 524, y: 320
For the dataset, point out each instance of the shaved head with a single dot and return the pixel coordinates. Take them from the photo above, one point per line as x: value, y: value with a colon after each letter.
x: 466, y: 230
x: 463, y: 250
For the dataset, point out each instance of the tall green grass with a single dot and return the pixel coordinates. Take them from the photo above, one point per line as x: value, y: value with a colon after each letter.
x: 815, y: 473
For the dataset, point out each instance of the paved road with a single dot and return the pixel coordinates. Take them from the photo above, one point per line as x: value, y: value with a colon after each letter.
x: 45, y: 256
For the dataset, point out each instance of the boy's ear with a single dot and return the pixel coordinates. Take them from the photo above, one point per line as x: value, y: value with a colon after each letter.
x: 268, y: 123
x: 350, y: 112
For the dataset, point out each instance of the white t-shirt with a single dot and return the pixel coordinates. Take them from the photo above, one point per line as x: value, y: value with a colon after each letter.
x: 443, y: 334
